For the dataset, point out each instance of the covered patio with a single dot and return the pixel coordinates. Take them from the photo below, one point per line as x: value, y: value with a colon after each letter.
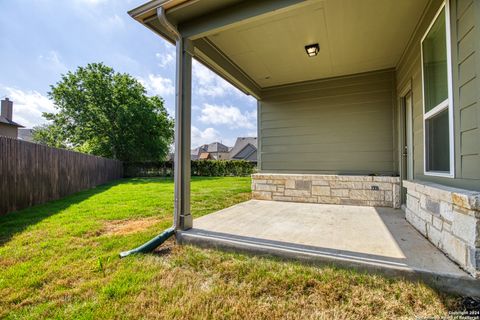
x: 377, y: 240
x: 341, y: 130
x: 323, y: 73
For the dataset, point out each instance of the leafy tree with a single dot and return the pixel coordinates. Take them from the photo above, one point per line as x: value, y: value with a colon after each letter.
x: 49, y: 135
x: 106, y: 113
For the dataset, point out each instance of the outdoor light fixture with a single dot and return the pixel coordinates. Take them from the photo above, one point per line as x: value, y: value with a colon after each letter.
x: 312, y: 49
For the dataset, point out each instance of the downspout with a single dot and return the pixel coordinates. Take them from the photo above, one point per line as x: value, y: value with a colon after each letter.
x: 166, y: 234
x: 162, y: 18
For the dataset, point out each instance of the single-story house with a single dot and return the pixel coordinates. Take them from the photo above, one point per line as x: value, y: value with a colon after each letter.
x: 379, y: 100
x: 8, y: 127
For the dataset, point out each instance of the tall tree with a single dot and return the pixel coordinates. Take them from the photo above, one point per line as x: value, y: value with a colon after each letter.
x: 106, y: 113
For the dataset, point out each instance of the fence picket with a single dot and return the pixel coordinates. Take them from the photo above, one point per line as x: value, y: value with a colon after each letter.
x: 32, y: 174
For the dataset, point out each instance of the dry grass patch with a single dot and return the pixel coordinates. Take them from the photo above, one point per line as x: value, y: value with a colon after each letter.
x: 193, y: 283
x: 129, y: 226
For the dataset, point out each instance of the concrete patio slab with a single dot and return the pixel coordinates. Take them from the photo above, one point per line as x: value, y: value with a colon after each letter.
x: 370, y: 239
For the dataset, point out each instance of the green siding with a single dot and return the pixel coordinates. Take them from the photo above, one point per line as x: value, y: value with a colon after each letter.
x: 465, y: 39
x: 340, y: 125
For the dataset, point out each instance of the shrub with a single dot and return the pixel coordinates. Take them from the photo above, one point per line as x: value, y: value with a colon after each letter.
x: 205, y: 168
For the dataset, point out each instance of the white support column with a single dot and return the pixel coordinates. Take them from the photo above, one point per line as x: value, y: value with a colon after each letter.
x: 183, y: 219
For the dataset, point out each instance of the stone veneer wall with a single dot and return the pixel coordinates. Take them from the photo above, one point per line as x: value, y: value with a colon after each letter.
x: 449, y: 218
x: 373, y: 191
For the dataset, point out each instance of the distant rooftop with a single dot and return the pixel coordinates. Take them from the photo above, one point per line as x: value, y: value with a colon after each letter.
x: 241, y: 143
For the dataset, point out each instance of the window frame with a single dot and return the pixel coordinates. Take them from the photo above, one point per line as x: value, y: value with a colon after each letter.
x: 447, y: 104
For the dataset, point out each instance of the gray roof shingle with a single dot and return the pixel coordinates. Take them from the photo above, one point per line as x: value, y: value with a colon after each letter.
x: 241, y: 143
x: 9, y: 122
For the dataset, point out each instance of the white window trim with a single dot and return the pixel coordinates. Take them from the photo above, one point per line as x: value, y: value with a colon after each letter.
x: 448, y: 103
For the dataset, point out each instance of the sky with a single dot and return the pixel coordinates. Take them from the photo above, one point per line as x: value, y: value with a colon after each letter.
x: 42, y: 39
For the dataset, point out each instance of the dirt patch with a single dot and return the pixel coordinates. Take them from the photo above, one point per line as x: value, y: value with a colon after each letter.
x: 128, y: 226
x: 166, y: 248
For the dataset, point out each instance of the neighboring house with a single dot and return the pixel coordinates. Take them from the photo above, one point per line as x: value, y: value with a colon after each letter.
x: 245, y: 148
x: 205, y: 156
x: 215, y: 151
x: 371, y: 103
x: 218, y: 150
x: 223, y: 155
x: 195, y: 153
x: 8, y: 127
x: 25, y: 134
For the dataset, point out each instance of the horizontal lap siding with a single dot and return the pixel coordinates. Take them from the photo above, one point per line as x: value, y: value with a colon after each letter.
x: 467, y: 66
x: 341, y: 125
x: 465, y: 15
x: 32, y: 174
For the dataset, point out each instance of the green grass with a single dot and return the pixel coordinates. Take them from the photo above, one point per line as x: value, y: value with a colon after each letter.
x: 60, y: 260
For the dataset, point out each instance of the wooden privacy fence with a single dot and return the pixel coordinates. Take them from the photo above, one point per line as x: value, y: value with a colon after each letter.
x: 32, y: 174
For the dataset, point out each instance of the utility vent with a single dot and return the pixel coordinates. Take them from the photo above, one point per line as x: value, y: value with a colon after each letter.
x: 375, y: 188
x: 303, y: 185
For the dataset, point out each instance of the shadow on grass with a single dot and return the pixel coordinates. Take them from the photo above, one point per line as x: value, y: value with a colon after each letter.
x: 145, y: 180
x: 15, y: 222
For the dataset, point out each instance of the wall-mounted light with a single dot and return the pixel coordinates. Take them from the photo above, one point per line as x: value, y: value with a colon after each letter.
x: 312, y: 49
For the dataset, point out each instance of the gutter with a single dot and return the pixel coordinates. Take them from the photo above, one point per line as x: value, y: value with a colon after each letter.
x: 162, y: 18
x: 144, y: 11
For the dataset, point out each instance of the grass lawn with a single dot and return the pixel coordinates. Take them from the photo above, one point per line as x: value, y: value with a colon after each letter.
x: 60, y: 260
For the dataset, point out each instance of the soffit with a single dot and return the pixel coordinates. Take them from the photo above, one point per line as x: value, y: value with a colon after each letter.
x: 192, y: 9
x: 354, y: 36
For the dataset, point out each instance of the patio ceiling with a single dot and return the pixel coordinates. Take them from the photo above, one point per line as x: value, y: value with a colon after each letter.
x: 257, y: 45
x: 354, y: 37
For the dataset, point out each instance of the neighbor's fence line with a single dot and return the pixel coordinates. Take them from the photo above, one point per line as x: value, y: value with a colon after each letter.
x: 205, y: 168
x: 32, y: 174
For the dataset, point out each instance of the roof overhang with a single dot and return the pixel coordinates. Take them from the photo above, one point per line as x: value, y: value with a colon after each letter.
x: 259, y: 45
x: 8, y: 122
x: 197, y: 19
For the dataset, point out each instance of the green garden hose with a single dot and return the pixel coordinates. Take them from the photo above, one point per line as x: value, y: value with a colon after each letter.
x: 150, y: 245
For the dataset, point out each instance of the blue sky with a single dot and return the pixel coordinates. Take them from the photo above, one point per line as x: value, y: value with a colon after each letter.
x: 41, y: 39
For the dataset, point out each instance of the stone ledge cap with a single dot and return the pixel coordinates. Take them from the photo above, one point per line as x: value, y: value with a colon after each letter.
x: 461, y: 197
x: 312, y: 176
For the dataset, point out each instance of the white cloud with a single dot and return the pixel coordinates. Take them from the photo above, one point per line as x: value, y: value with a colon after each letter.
x: 252, y: 115
x: 165, y: 59
x: 208, y: 84
x: 166, y: 56
x: 158, y: 85
x: 28, y: 106
x: 227, y: 115
x: 200, y: 137
x: 52, y: 61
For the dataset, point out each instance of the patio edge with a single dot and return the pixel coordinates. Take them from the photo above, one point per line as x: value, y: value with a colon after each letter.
x: 449, y: 283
